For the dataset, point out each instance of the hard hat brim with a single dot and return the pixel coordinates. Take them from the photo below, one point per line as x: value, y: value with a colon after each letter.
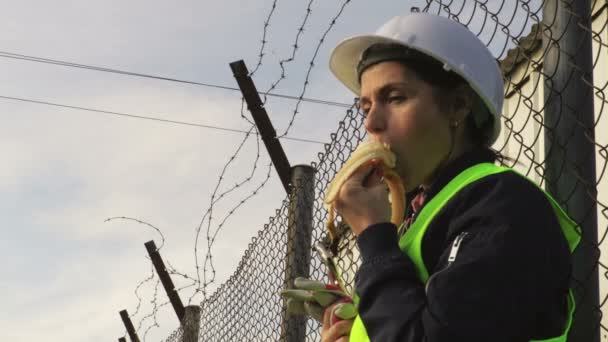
x: 346, y: 55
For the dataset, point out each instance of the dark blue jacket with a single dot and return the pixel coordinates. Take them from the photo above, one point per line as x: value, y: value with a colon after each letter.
x: 508, y: 283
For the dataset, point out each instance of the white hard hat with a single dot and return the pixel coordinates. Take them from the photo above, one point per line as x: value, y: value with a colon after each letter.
x: 443, y: 39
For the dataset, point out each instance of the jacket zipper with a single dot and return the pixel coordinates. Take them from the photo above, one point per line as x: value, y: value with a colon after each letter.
x: 451, y: 258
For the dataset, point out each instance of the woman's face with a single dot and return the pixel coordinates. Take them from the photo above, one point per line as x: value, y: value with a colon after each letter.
x: 402, y: 110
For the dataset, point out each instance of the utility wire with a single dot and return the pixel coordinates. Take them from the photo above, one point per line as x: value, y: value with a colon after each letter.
x: 134, y: 116
x: 11, y: 55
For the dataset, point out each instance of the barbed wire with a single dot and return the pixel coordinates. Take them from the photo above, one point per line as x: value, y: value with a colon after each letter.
x: 137, y: 288
x: 211, y: 237
x: 215, y: 198
x: 295, y: 47
x: 255, y: 285
x: 200, y: 284
x: 312, y: 64
x: 264, y: 41
x: 136, y: 220
x: 231, y: 213
x: 139, y: 299
x: 152, y: 301
x: 145, y: 280
x: 152, y: 315
x: 173, y: 270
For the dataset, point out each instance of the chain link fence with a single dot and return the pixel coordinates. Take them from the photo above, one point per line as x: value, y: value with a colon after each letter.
x: 248, y: 306
x: 554, y: 57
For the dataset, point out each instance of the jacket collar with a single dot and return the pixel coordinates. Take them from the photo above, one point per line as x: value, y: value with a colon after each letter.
x: 455, y: 167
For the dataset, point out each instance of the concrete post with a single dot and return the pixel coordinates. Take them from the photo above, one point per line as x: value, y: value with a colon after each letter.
x: 299, y: 245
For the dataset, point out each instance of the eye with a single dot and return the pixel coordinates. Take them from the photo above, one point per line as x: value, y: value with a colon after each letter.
x: 396, y: 98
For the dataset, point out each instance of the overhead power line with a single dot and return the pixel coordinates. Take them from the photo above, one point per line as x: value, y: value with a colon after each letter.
x: 143, y: 117
x: 11, y: 55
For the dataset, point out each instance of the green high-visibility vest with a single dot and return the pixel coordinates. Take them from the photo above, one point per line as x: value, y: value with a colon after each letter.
x: 411, y: 242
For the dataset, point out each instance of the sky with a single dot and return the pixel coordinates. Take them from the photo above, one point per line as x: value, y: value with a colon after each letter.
x: 69, y: 271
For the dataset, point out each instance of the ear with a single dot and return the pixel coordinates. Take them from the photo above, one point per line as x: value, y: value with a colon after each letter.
x: 462, y: 103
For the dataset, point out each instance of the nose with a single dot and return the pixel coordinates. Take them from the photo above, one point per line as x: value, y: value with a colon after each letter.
x: 375, y: 121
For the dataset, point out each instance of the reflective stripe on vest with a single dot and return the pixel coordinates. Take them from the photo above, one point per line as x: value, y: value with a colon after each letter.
x: 411, y: 242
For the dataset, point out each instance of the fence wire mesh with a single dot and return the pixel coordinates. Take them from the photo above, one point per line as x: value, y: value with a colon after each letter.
x: 545, y: 133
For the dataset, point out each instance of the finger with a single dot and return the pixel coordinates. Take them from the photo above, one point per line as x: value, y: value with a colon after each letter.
x: 362, y: 174
x: 338, y: 330
x: 374, y: 185
x: 326, y: 318
x: 369, y: 177
x: 375, y: 178
x: 360, y: 181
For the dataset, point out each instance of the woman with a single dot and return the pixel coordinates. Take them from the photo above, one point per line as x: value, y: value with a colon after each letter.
x: 485, y: 254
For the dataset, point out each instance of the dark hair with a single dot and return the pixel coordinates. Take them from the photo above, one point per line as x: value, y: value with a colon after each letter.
x: 432, y: 72
x: 425, y: 67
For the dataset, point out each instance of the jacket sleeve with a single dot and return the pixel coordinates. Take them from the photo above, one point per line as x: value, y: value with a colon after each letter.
x: 512, y: 264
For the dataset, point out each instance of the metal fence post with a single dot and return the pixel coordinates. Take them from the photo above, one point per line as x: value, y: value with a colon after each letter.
x: 262, y: 121
x: 570, y: 151
x: 191, y: 323
x: 165, y: 279
x: 126, y: 320
x: 299, y: 245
